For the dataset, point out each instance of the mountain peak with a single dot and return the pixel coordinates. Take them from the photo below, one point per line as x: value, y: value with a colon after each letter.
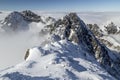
x: 16, y: 21
x: 71, y: 52
x: 111, y: 28
x: 71, y: 26
x: 73, y: 29
x: 31, y: 16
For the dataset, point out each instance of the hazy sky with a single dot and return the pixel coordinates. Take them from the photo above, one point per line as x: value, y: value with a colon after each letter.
x: 61, y: 5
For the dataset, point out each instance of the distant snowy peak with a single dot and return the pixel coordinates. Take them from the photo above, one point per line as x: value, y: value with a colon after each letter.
x: 16, y: 21
x: 31, y: 16
x: 111, y: 28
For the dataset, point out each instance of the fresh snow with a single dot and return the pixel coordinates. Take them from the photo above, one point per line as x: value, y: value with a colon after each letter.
x: 113, y: 39
x: 59, y: 60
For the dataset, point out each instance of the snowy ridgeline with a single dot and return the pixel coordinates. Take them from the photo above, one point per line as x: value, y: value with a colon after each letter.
x: 68, y: 49
x: 61, y: 60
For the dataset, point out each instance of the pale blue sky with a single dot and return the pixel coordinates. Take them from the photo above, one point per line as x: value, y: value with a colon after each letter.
x: 61, y: 5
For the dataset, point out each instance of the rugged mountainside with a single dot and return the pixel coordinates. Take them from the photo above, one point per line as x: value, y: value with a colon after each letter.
x: 112, y: 28
x: 74, y: 29
x: 110, y: 35
x: 30, y: 16
x: 95, y: 29
x: 17, y: 21
x: 60, y: 60
x: 72, y: 52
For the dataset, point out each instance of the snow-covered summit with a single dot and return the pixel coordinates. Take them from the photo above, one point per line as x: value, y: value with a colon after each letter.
x: 72, y: 53
x: 14, y: 21
x: 31, y: 16
x: 111, y: 28
x: 17, y: 21
x: 72, y: 28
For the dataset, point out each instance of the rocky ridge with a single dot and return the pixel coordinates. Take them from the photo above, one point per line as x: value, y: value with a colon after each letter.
x: 72, y: 28
x: 17, y: 21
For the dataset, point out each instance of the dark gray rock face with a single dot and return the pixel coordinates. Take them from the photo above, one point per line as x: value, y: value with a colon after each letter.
x: 72, y: 28
x: 95, y: 29
x: 16, y: 21
x: 111, y: 28
x: 99, y: 34
x: 50, y: 19
x: 26, y: 55
x: 30, y: 16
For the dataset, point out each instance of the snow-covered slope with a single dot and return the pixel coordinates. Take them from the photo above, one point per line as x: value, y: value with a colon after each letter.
x: 71, y: 52
x: 60, y: 60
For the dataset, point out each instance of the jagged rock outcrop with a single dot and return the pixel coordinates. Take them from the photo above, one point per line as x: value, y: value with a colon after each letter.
x: 50, y: 19
x: 31, y: 17
x: 27, y: 54
x: 95, y: 29
x: 111, y: 28
x: 16, y: 21
x: 72, y: 28
x: 101, y: 35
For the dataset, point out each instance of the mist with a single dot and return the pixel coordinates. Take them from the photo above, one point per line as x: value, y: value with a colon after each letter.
x: 13, y: 46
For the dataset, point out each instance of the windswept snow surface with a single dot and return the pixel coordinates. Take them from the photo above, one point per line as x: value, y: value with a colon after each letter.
x: 61, y: 60
x: 56, y: 60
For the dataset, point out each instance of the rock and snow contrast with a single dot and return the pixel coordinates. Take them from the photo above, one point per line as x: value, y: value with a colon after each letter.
x: 60, y: 60
x: 71, y: 49
x: 17, y: 21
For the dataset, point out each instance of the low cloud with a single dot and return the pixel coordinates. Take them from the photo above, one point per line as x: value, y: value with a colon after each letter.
x: 13, y: 46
